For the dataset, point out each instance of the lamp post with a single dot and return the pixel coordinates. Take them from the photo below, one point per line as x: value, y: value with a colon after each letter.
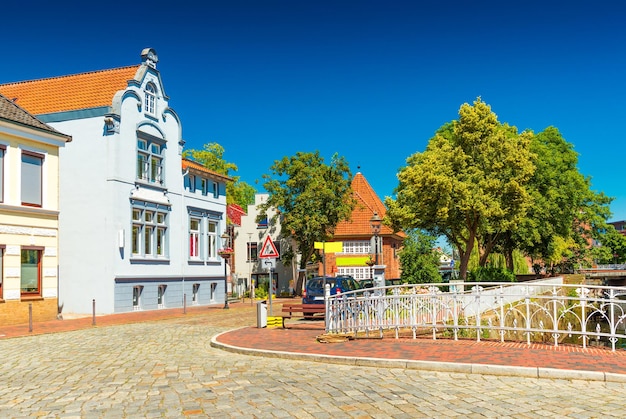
x: 375, y: 223
x: 225, y: 256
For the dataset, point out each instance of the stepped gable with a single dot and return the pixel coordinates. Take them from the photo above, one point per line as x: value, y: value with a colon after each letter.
x: 367, y: 203
x: 10, y: 111
x: 69, y: 93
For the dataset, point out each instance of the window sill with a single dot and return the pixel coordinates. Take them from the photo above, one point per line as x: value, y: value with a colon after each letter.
x: 139, y: 259
x: 31, y: 298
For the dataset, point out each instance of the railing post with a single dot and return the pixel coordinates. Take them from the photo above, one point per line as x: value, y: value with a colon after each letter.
x: 185, y: 303
x: 93, y: 312
x: 30, y: 317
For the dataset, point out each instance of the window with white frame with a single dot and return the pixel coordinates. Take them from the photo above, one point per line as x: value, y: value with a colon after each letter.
x: 2, y: 152
x: 216, y: 190
x: 150, y: 99
x: 212, y: 236
x: 149, y: 232
x: 192, y: 183
x: 203, y: 186
x: 359, y: 247
x: 194, y: 237
x: 32, y: 178
x: 137, y: 297
x: 161, y: 296
x: 195, y: 289
x: 356, y: 272
x: 150, y: 160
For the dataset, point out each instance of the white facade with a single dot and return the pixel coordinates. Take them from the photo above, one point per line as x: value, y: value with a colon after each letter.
x: 250, y: 237
x: 124, y: 224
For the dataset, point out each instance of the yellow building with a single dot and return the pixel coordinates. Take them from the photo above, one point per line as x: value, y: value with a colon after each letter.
x: 29, y: 215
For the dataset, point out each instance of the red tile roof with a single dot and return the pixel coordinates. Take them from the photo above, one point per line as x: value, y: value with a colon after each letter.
x: 235, y: 212
x: 367, y: 203
x: 69, y: 93
x: 200, y: 169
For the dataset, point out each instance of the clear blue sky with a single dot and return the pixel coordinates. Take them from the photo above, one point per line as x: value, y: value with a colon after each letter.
x: 370, y: 80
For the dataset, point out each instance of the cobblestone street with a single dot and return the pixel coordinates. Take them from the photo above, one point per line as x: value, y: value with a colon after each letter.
x: 167, y: 368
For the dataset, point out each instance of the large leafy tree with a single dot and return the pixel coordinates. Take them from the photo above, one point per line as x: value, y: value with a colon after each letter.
x: 212, y: 157
x: 420, y: 263
x: 565, y: 213
x: 469, y: 185
x: 311, y: 198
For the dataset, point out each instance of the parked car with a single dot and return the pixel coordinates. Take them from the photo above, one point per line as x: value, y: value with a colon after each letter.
x: 314, y: 291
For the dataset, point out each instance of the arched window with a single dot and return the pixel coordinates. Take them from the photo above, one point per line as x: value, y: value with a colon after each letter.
x: 150, y: 101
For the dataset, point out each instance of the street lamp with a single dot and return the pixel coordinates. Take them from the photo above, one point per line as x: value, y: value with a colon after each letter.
x: 225, y: 255
x: 375, y: 223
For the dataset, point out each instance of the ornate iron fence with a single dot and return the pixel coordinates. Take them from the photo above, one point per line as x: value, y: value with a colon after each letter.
x: 535, y: 311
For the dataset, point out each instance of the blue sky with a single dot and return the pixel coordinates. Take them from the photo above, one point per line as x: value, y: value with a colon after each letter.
x: 370, y: 80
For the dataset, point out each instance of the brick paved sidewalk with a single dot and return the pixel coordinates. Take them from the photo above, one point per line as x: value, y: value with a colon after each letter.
x: 300, y: 338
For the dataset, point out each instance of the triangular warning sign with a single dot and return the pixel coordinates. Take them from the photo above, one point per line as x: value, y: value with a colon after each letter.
x: 269, y: 249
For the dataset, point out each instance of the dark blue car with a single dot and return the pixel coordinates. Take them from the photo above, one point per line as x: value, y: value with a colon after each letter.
x: 314, y: 292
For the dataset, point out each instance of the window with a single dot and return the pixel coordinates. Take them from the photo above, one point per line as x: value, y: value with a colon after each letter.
x: 161, y: 296
x: 194, y: 237
x: 357, y: 247
x: 253, y: 252
x: 192, y: 183
x: 150, y: 161
x: 32, y: 164
x: 194, y: 293
x: 203, y: 186
x: 149, y: 232
x: 212, y: 234
x: 2, y: 151
x: 213, y: 290
x: 216, y: 190
x: 150, y: 100
x: 262, y: 223
x: 137, y: 297
x: 356, y: 272
x: 30, y: 271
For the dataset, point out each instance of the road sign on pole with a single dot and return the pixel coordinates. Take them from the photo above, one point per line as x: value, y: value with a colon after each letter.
x: 268, y: 251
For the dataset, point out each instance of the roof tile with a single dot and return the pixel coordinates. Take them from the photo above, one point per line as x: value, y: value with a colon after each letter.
x: 68, y: 93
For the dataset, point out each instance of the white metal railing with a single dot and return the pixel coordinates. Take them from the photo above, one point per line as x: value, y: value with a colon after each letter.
x: 535, y: 311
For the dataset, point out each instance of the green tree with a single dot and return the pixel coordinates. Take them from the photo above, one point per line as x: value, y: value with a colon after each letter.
x: 311, y: 198
x: 612, y: 247
x: 565, y: 213
x: 212, y: 157
x: 420, y: 263
x: 469, y: 184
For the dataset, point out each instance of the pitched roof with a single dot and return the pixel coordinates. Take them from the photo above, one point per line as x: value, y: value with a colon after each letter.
x: 68, y: 93
x: 234, y: 213
x: 200, y: 169
x: 367, y: 203
x: 10, y: 111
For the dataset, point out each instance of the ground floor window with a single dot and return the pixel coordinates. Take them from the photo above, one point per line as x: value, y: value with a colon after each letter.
x: 194, y: 293
x: 213, y: 290
x: 161, y: 296
x: 202, y: 232
x: 30, y: 271
x: 137, y: 297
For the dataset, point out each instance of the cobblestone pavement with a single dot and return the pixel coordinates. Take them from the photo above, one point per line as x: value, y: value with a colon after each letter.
x: 167, y: 368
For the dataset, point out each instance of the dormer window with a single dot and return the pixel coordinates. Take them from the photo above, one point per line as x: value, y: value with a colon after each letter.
x: 150, y: 100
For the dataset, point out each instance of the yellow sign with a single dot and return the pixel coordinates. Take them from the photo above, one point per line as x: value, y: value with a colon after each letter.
x: 331, y: 247
x: 352, y: 261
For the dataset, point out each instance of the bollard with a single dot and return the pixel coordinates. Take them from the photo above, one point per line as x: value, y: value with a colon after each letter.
x: 30, y: 317
x: 184, y: 303
x: 93, y: 309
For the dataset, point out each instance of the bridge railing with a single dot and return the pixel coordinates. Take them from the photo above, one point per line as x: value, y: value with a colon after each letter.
x: 535, y: 311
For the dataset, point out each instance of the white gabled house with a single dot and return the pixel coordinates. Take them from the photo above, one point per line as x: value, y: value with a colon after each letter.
x: 139, y: 226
